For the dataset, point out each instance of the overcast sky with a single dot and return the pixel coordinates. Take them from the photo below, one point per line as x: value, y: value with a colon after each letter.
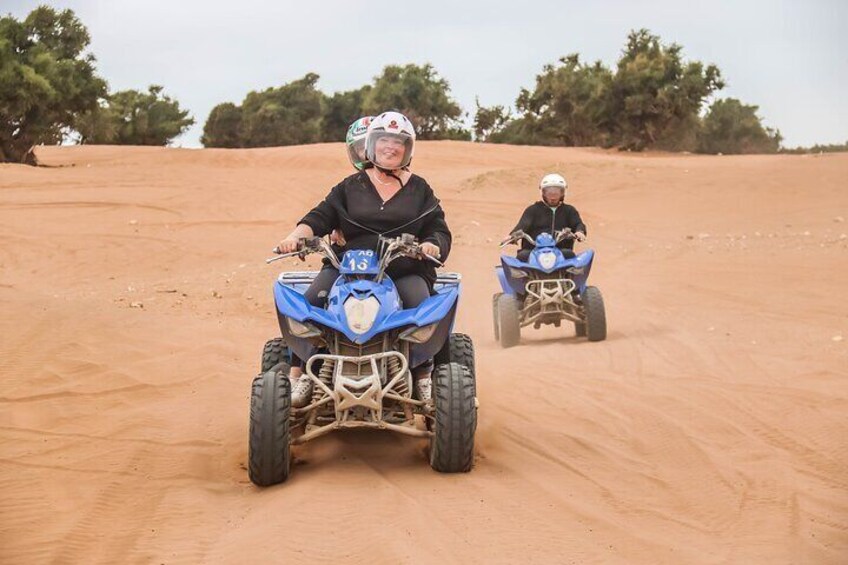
x: 788, y: 57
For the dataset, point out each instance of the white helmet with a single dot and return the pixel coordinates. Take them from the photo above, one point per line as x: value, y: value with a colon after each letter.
x: 390, y: 125
x: 555, y: 184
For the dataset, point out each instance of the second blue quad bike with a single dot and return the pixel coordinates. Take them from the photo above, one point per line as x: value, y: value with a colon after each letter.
x: 547, y: 289
x: 359, y: 351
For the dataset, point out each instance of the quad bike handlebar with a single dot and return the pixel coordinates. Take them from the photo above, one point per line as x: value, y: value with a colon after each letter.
x: 405, y: 245
x: 515, y: 237
x: 307, y: 246
x: 564, y: 234
x: 519, y: 235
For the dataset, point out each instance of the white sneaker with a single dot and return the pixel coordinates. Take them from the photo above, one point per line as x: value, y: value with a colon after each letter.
x: 301, y: 392
x: 424, y: 388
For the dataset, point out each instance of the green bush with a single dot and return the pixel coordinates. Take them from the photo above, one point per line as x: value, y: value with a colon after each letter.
x: 420, y: 94
x: 732, y: 127
x: 46, y: 80
x: 298, y: 112
x: 130, y: 117
x: 223, y: 127
x: 652, y: 100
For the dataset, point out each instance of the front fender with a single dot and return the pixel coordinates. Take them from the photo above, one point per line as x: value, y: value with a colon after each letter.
x: 430, y: 311
x: 499, y: 272
x: 581, y: 262
x: 510, y: 284
x: 293, y: 304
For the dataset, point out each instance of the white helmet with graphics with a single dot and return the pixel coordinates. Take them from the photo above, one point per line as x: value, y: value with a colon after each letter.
x: 390, y: 141
x: 553, y: 187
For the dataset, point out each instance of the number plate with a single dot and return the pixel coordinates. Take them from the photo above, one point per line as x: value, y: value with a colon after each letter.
x: 359, y: 262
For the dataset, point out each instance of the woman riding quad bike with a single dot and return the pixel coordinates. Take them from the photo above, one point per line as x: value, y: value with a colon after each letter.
x: 370, y: 334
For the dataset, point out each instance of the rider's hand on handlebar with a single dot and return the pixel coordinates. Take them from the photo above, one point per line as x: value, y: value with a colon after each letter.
x: 337, y: 238
x: 513, y: 237
x: 430, y: 249
x: 579, y: 236
x: 289, y: 245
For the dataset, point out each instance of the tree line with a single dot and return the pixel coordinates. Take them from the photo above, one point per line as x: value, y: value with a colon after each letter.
x: 654, y: 98
x: 50, y: 92
x: 298, y: 112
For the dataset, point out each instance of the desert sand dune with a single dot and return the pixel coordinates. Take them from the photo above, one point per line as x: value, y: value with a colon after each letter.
x: 710, y: 426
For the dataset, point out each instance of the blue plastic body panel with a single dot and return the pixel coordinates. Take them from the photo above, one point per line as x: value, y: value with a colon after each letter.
x: 440, y: 308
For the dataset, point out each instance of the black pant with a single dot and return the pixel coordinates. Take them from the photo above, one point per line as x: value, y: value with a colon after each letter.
x: 413, y: 290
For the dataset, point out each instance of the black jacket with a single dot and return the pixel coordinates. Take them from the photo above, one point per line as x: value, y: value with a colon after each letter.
x: 540, y: 217
x: 355, y: 207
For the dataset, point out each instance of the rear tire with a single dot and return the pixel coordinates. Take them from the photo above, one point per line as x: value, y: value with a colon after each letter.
x: 462, y: 351
x: 275, y: 351
x: 509, y: 325
x: 596, y: 318
x: 269, y: 441
x: 454, y: 397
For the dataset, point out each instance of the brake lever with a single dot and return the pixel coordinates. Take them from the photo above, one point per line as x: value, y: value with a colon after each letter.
x: 414, y: 252
x: 300, y: 253
x: 434, y: 260
x: 281, y: 255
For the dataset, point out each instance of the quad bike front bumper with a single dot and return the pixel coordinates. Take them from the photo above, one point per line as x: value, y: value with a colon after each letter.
x: 371, y: 391
x: 549, y: 301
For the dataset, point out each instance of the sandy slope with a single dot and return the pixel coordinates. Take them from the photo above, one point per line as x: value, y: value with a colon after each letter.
x: 710, y: 426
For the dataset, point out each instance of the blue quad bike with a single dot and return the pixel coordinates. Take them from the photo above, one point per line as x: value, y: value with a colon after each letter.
x: 549, y: 288
x: 359, y: 352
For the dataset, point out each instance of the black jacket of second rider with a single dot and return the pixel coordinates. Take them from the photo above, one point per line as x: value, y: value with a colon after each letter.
x: 540, y: 217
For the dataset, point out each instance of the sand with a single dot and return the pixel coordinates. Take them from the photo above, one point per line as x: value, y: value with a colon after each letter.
x: 710, y: 427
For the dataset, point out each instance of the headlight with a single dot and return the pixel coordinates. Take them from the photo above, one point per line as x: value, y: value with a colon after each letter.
x: 576, y: 270
x: 361, y: 313
x: 547, y: 260
x: 299, y: 329
x: 419, y: 335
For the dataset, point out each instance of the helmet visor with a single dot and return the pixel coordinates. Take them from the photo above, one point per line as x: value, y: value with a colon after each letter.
x: 390, y: 150
x: 356, y: 153
x: 551, y: 192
